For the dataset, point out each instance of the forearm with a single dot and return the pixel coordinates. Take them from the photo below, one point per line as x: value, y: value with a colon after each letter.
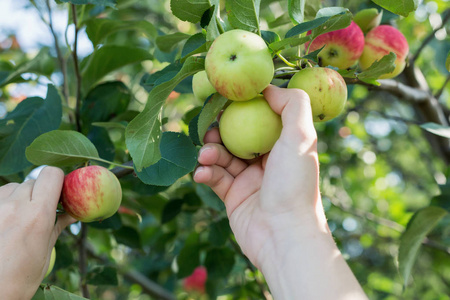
x: 306, y: 264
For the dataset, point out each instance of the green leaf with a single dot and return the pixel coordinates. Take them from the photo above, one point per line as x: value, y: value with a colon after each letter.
x: 213, y: 30
x: 200, y: 124
x: 296, y: 10
x: 98, y: 29
x: 385, y: 65
x: 102, y: 275
x: 399, y: 7
x: 168, y: 42
x: 437, y: 129
x: 111, y: 125
x: 61, y: 148
x: 189, y: 10
x: 194, y: 45
x: 422, y: 222
x: 104, y: 102
x: 288, y: 43
x: 107, y: 59
x: 330, y: 11
x: 219, y: 232
x: 270, y: 36
x: 243, y: 14
x: 51, y: 292
x: 114, y: 222
x: 179, y: 157
x: 313, y: 55
x: 189, y: 257
x: 171, y: 210
x: 341, y: 20
x: 209, y: 198
x: 143, y: 133
x: 41, y: 64
x: 128, y: 236
x: 31, y: 118
x: 306, y: 26
x: 110, y: 3
x: 219, y: 262
x: 149, y: 81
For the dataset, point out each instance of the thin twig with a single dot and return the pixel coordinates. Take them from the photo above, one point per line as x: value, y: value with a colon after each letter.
x: 62, y: 61
x: 77, y: 70
x: 122, y: 172
x: 442, y: 89
x: 82, y: 260
x: 445, y: 19
x: 149, y: 287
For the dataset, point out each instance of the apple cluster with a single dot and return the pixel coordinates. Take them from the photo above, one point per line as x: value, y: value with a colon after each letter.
x: 239, y: 66
x: 364, y: 41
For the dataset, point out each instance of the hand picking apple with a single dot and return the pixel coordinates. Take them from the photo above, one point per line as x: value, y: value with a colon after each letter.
x: 28, y: 232
x: 275, y: 209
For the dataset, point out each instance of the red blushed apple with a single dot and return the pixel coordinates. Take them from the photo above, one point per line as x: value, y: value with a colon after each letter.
x: 379, y: 42
x: 196, y: 281
x: 343, y: 47
x: 91, y: 193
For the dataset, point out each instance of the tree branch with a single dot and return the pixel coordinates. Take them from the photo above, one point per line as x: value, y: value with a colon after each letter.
x: 122, y: 172
x: 442, y: 89
x: 62, y: 61
x: 77, y: 70
x: 148, y: 286
x: 82, y: 260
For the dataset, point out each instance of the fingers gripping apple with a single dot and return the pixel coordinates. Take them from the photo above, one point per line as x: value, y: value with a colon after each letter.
x: 250, y: 128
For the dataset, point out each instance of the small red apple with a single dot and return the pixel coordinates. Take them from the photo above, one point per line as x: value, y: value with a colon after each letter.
x: 91, y: 193
x: 379, y: 42
x: 196, y: 281
x: 343, y: 47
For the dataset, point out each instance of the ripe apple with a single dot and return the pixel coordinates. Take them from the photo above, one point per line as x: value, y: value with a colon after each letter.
x: 201, y: 86
x: 91, y: 193
x: 342, y: 49
x: 52, y: 262
x: 379, y: 42
x: 196, y: 281
x: 249, y: 128
x: 326, y: 89
x: 368, y: 19
x: 239, y: 65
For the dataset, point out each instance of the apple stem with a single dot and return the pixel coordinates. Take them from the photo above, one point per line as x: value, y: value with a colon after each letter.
x: 286, y: 61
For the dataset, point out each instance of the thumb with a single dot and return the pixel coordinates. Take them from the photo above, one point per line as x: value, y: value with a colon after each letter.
x: 62, y: 222
x: 295, y: 109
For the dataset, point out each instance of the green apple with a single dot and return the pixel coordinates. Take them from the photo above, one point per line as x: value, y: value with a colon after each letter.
x: 368, y: 19
x: 249, y: 128
x: 201, y: 86
x: 52, y: 262
x: 239, y: 65
x: 91, y: 193
x: 326, y: 89
x: 379, y: 42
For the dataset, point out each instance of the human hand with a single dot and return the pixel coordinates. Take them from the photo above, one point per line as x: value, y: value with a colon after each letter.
x: 28, y: 232
x: 270, y: 196
x: 275, y: 209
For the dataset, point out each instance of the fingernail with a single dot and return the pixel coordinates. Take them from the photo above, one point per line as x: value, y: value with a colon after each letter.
x: 198, y: 170
x: 203, y: 150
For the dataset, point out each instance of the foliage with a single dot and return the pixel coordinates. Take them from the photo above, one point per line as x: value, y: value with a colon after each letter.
x: 384, y: 162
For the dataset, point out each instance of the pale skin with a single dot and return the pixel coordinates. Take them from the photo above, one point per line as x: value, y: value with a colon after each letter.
x: 275, y: 208
x: 273, y: 204
x: 28, y: 232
